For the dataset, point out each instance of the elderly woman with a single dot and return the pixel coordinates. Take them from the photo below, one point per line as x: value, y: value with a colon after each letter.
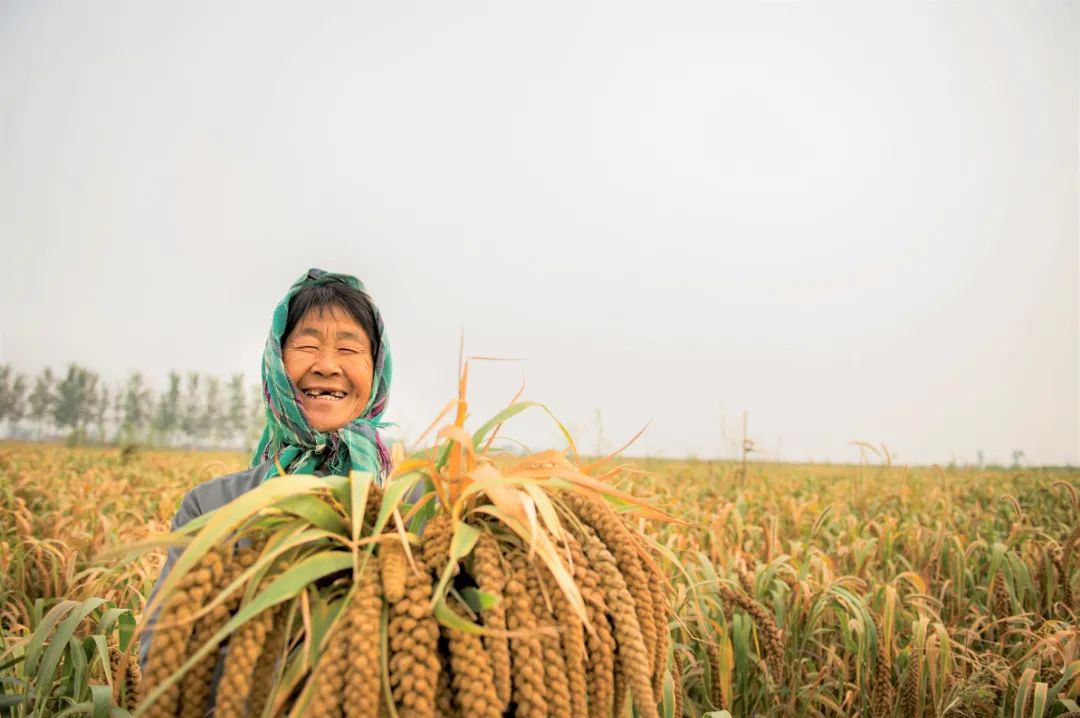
x: 326, y: 379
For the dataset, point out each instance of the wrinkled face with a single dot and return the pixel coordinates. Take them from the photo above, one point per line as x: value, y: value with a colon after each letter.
x: 328, y: 357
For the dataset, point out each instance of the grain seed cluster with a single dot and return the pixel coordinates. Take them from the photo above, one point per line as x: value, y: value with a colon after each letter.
x: 458, y: 619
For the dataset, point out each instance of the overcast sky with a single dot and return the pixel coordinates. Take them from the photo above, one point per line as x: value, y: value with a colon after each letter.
x: 854, y: 221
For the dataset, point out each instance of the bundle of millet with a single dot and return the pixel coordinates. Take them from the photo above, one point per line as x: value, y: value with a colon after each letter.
x: 466, y: 584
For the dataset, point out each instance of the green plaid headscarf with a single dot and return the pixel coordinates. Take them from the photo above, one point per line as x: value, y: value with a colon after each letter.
x: 288, y: 437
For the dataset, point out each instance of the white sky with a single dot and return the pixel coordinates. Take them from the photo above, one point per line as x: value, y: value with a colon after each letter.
x: 855, y: 221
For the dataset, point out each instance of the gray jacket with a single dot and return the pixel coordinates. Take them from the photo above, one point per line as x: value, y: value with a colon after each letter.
x: 200, y: 500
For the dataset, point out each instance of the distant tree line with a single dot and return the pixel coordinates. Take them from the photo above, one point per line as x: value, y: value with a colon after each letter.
x: 194, y: 410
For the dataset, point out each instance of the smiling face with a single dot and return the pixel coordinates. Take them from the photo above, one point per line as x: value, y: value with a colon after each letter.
x: 327, y: 355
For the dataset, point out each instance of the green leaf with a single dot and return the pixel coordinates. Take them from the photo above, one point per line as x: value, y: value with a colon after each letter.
x: 109, y: 618
x: 741, y: 627
x: 76, y: 669
x: 9, y: 701
x: 339, y: 488
x: 290, y: 583
x: 77, y: 709
x: 41, y: 634
x: 359, y: 488
x: 37, y: 611
x: 13, y: 662
x: 500, y: 418
x: 479, y: 600
x: 452, y: 620
x: 1038, y: 705
x: 324, y: 615
x: 93, y: 707
x: 392, y: 497
x: 283, y: 543
x: 315, y: 510
x: 127, y: 629
x: 293, y: 671
x: 1023, y: 690
x: 425, y: 512
x: 101, y: 697
x: 100, y: 646
x: 1071, y: 672
x: 461, y: 544
x: 464, y: 539
x: 51, y: 659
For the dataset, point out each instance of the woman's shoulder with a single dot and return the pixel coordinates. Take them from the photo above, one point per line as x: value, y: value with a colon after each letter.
x: 219, y: 491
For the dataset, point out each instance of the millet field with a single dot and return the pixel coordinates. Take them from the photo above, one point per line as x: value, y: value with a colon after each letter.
x: 792, y: 590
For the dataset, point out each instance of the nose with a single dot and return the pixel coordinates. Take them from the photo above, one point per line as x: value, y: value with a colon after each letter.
x: 325, y: 365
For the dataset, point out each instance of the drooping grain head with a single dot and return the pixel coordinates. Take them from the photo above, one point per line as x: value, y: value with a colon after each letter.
x: 473, y: 680
x: 555, y: 675
x: 766, y: 623
x: 529, y: 690
x: 487, y: 570
x: 620, y: 541
x: 413, y: 637
x: 394, y: 569
x: 600, y: 644
x: 363, y: 688
x: 170, y: 644
x: 631, y: 650
x: 435, y: 546
x: 245, y: 647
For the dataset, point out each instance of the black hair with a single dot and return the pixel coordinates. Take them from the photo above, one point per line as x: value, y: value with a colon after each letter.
x: 321, y: 297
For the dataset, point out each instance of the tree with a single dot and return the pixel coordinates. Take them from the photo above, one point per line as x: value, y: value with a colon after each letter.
x: 212, y: 415
x: 118, y: 415
x: 256, y: 416
x: 12, y: 398
x: 5, y: 383
x: 236, y: 417
x: 42, y: 400
x: 191, y: 413
x: 74, y: 400
x: 136, y: 407
x: 17, y: 408
x: 101, y: 412
x: 167, y: 415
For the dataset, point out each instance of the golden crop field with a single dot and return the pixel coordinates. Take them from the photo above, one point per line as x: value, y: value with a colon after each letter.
x: 799, y: 590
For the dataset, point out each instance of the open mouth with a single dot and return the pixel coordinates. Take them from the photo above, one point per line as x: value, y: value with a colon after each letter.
x: 324, y: 394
